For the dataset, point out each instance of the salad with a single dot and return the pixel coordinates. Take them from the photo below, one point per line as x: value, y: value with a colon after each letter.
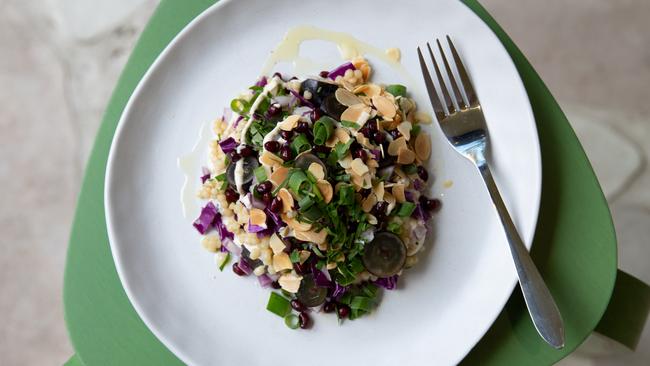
x: 315, y: 186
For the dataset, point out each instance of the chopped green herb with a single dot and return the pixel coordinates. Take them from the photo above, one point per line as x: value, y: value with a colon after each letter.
x: 260, y: 174
x: 221, y: 177
x: 297, y: 181
x: 350, y: 124
x: 395, y: 228
x: 323, y: 129
x: 410, y: 169
x: 278, y: 305
x: 292, y: 321
x: 341, y: 149
x: 346, y: 195
x: 415, y: 130
x: 295, y: 256
x: 405, y: 209
x: 361, y: 303
x: 397, y: 90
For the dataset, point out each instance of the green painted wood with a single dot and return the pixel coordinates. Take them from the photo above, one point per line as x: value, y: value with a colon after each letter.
x: 74, y: 361
x: 627, y: 311
x: 574, y: 246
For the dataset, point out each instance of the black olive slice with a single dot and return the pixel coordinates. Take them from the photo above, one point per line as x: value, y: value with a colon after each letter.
x: 310, y: 294
x: 331, y: 107
x: 304, y: 160
x: 250, y: 163
x: 319, y: 90
x: 385, y: 255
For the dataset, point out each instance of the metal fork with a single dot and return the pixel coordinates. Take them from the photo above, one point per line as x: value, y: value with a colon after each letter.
x: 466, y: 130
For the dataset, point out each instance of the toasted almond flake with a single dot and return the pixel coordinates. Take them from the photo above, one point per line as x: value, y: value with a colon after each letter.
x: 304, y: 254
x: 370, y: 90
x: 400, y: 173
x: 276, y: 244
x: 396, y: 145
x: 281, y: 261
x: 405, y: 156
x: 379, y: 190
x: 269, y: 159
x: 279, y: 175
x: 317, y: 170
x: 367, y: 181
x: 357, y: 181
x: 398, y: 192
x: 346, y: 161
x: 372, y: 163
x: 388, y: 125
x: 342, y: 135
x: 289, y: 123
x: 331, y: 265
x: 369, y: 202
x: 286, y: 198
x: 423, y: 146
x: 346, y: 97
x: 391, y: 202
x: 322, y: 246
x: 290, y: 282
x: 372, y: 220
x: 385, y: 107
x: 325, y: 189
x: 422, y: 117
x: 295, y: 224
x: 332, y: 141
x: 355, y: 113
x: 312, y: 236
x: 405, y: 129
x: 359, y: 167
x: 257, y: 217
x: 363, y: 140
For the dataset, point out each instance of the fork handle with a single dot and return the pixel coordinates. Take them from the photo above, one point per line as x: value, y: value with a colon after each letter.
x: 541, y: 306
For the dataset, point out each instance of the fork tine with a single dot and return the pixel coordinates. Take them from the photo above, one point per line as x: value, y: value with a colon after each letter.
x: 431, y: 89
x: 445, y: 92
x: 464, y: 78
x: 452, y: 79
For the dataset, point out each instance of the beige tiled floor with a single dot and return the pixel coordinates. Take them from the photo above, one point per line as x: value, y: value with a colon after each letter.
x: 59, y: 60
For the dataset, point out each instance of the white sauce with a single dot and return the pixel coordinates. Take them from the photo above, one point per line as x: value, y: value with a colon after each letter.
x: 190, y: 165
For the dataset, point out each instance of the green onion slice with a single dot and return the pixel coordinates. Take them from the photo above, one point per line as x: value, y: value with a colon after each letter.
x: 278, y: 305
x: 292, y: 321
x: 323, y: 129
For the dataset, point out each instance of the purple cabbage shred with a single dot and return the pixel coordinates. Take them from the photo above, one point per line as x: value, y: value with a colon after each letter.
x: 302, y: 99
x: 206, y: 218
x: 389, y: 283
x: 340, y: 71
x: 228, y: 145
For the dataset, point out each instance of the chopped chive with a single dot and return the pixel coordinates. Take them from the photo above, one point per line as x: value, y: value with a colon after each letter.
x: 221, y: 177
x: 395, y: 228
x: 317, y: 251
x: 260, y: 173
x: 292, y: 321
x: 225, y: 262
x: 278, y: 305
x: 323, y: 129
x: 341, y: 149
x: 350, y: 124
x: 297, y: 180
x: 239, y: 106
x: 305, y: 203
x: 405, y: 209
x: 397, y: 90
x: 300, y: 144
x: 361, y: 303
x: 346, y: 195
x: 415, y: 130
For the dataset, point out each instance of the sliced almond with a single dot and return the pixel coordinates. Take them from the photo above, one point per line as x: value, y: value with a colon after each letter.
x: 289, y: 123
x: 281, y: 261
x: 363, y: 140
x: 325, y: 189
x: 398, y: 192
x: 279, y: 175
x: 372, y: 220
x: 287, y: 200
x: 393, y: 54
x: 369, y: 202
x: 312, y: 236
x: 360, y: 63
x: 322, y: 246
x: 359, y: 167
x: 304, y: 255
x: 342, y: 135
x: 331, y: 265
x: 396, y: 145
x: 290, y: 282
x: 357, y: 181
x: 276, y: 244
x: 370, y: 90
x: 379, y: 190
x: 405, y: 129
x: 346, y: 97
x: 385, y: 107
x: 332, y: 141
x: 358, y: 113
x: 391, y: 202
x: 405, y: 156
x: 295, y: 224
x: 346, y: 161
x: 316, y: 170
x: 372, y: 163
x: 367, y: 182
x: 423, y: 146
x: 269, y: 159
x: 257, y: 217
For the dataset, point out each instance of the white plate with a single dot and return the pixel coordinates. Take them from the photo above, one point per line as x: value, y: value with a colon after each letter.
x: 442, y: 307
